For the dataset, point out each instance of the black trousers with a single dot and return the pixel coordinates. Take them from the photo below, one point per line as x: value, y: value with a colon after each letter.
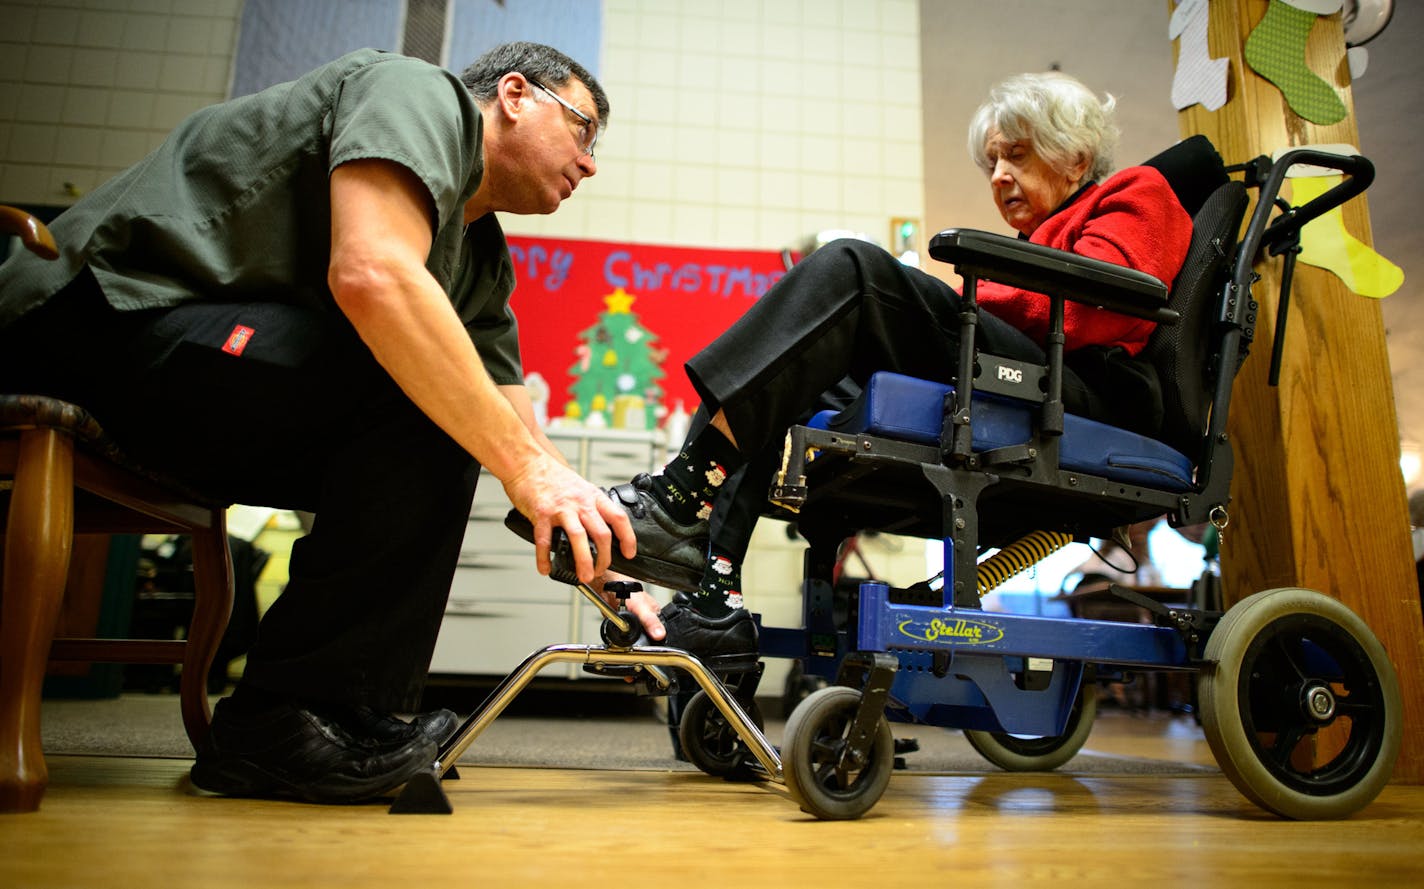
x: 743, y: 496
x: 848, y: 310
x: 303, y: 418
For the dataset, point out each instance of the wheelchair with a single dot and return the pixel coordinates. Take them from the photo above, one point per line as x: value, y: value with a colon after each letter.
x: 1298, y: 700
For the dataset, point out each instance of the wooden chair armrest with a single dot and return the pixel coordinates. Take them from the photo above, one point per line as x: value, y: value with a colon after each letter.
x: 32, y: 233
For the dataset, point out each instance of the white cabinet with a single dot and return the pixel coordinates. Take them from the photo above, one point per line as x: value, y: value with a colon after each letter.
x: 501, y: 609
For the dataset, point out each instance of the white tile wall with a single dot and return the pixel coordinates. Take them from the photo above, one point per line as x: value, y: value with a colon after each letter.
x: 88, y: 87
x: 752, y: 123
x: 743, y: 123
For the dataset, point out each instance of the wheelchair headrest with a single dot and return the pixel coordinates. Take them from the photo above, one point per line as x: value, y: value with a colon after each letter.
x: 1194, y: 170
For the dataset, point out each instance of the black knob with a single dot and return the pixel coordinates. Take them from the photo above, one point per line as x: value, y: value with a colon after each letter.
x: 622, y: 589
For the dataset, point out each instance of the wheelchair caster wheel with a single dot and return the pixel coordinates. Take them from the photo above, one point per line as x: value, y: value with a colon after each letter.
x: 817, y: 734
x: 1302, y: 709
x: 711, y: 743
x: 1026, y: 753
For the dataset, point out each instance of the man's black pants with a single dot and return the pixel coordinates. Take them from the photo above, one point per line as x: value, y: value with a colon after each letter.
x: 279, y: 405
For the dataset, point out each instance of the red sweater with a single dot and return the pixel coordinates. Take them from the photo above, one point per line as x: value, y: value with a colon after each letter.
x: 1132, y: 219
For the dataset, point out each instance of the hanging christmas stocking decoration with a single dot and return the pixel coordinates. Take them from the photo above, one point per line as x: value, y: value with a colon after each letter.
x: 1199, y: 78
x: 1276, y: 50
x: 1325, y: 243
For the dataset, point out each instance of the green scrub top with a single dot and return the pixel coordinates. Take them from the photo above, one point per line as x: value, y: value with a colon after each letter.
x: 234, y: 206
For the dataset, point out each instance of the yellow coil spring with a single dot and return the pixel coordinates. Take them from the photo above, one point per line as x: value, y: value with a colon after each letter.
x: 1022, y: 553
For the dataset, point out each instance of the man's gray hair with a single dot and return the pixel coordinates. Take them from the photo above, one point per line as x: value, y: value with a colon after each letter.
x: 1060, y: 117
x: 535, y: 61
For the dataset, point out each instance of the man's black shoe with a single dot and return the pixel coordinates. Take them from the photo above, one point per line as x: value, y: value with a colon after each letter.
x: 670, y: 553
x: 286, y: 750
x: 384, y: 730
x: 724, y: 644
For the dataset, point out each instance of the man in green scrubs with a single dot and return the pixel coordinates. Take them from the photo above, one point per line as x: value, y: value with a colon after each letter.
x: 300, y: 300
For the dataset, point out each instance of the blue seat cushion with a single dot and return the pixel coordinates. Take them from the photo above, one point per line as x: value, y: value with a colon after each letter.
x: 909, y: 409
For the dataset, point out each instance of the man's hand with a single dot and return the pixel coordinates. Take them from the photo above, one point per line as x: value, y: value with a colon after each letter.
x: 551, y: 495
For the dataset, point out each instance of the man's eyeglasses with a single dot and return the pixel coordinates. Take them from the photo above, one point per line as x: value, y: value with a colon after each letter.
x: 586, y: 132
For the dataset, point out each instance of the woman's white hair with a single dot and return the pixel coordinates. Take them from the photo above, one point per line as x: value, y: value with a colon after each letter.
x: 1060, y: 117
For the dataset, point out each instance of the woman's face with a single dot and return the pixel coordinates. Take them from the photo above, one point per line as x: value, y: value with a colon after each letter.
x: 1026, y: 187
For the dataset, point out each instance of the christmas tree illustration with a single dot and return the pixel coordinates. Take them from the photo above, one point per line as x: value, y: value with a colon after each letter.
x: 617, y: 370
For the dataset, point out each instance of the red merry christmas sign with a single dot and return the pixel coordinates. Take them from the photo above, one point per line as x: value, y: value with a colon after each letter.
x: 598, y: 318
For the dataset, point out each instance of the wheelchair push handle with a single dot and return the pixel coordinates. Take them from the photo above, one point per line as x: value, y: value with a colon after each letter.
x: 1359, y: 175
x: 1281, y: 236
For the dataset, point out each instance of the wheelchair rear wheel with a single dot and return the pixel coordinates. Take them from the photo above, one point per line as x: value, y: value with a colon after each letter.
x: 1302, y: 708
x: 1026, y: 753
x: 817, y: 734
x: 711, y: 743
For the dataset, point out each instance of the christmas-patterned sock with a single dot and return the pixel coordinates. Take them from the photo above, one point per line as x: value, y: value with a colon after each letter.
x: 721, y: 590
x: 1324, y: 242
x: 688, y: 483
x: 1276, y: 50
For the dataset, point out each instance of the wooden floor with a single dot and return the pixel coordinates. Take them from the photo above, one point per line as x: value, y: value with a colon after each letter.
x: 131, y: 822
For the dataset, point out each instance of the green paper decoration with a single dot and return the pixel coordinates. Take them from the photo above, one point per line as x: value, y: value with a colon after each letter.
x: 1276, y: 50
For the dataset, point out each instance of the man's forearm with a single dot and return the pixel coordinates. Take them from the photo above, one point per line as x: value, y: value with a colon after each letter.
x: 518, y: 397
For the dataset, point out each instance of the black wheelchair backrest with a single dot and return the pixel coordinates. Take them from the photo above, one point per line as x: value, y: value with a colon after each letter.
x: 1185, y: 353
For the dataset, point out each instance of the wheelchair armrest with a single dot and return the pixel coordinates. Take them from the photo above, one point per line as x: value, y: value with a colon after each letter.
x: 1018, y: 263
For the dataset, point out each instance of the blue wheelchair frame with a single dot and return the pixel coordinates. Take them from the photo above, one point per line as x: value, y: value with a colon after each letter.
x: 985, y: 651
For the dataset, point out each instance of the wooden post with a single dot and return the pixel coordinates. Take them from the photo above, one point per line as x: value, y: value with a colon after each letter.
x: 1318, y: 499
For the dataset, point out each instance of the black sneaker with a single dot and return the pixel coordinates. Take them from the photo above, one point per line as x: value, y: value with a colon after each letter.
x: 286, y: 750
x: 670, y: 553
x: 724, y: 644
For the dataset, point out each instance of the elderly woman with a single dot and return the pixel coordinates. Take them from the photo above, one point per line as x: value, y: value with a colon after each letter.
x: 850, y: 309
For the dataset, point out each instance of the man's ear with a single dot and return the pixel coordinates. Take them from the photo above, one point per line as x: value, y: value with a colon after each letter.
x: 513, y: 94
